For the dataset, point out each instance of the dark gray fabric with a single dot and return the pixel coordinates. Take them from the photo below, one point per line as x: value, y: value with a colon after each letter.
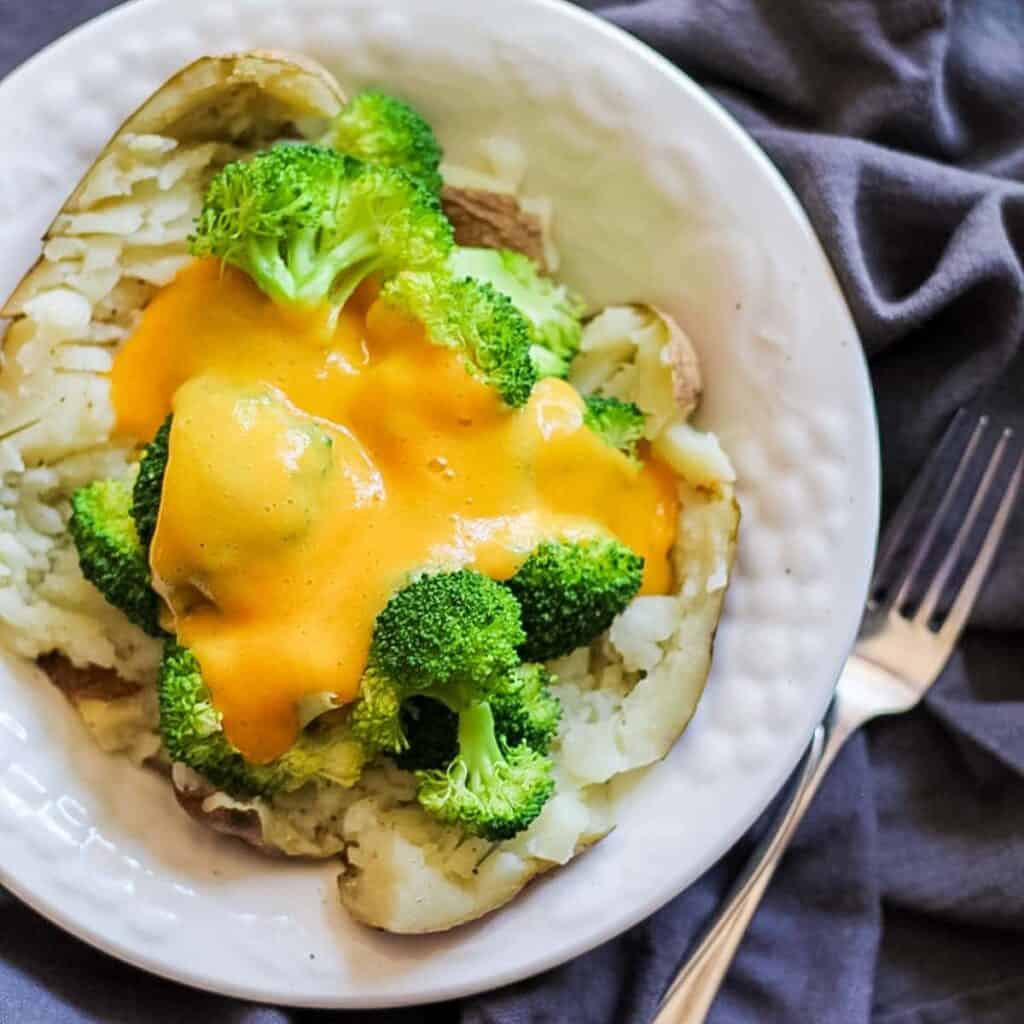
x: 901, y: 126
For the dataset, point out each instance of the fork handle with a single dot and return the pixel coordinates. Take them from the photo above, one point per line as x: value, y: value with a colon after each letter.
x: 690, y: 995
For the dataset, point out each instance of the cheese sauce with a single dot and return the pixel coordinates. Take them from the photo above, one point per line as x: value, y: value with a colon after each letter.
x: 313, y: 466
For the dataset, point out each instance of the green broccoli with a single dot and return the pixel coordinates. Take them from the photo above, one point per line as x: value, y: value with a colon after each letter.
x: 475, y: 320
x: 380, y: 129
x: 149, y: 484
x: 466, y: 630
x: 309, y: 224
x: 109, y: 551
x: 619, y: 423
x: 190, y: 725
x: 525, y: 709
x: 452, y: 637
x: 490, y: 789
x: 551, y: 309
x: 569, y: 592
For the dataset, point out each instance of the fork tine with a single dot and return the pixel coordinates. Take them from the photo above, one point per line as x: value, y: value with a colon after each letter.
x: 929, y: 602
x: 902, y: 519
x: 923, y: 546
x: 956, y: 619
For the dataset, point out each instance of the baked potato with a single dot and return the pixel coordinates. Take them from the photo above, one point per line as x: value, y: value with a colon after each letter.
x: 121, y: 236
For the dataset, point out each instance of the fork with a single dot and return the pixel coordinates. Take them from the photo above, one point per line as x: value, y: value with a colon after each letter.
x: 930, y: 568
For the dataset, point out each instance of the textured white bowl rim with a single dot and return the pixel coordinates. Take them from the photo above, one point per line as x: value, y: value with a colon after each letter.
x: 613, y: 925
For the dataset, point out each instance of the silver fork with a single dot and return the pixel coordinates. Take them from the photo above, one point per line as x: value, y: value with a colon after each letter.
x: 915, y: 613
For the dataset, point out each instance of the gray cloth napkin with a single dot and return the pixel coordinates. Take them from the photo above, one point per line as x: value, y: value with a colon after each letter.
x: 901, y: 126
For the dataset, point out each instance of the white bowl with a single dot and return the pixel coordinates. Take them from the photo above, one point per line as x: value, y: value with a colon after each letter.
x: 659, y: 196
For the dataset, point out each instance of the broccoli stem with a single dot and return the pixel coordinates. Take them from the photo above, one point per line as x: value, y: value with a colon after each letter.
x: 270, y: 270
x: 478, y: 745
x: 348, y: 256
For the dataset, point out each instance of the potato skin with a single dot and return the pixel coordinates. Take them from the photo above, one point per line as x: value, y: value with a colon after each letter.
x: 493, y: 220
x: 90, y: 682
x: 229, y: 821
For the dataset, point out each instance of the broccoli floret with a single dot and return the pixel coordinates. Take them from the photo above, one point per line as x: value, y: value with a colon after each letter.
x: 551, y: 309
x: 452, y: 638
x: 109, y: 552
x: 448, y: 635
x: 149, y: 484
x: 190, y: 725
x: 475, y: 320
x: 525, y: 709
x: 569, y: 591
x: 309, y: 224
x: 619, y: 423
x: 490, y: 789
x: 380, y: 129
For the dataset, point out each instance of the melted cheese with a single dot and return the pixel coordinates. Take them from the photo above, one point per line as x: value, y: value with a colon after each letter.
x: 314, y: 465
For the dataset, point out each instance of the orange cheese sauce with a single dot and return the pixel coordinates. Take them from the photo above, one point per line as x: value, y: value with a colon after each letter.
x: 313, y: 466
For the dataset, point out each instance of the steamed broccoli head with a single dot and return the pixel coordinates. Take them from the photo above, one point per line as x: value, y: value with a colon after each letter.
x: 149, y: 484
x: 619, y: 423
x: 525, y: 709
x: 552, y: 311
x: 190, y: 726
x: 264, y: 214
x: 489, y: 789
x: 569, y: 592
x: 450, y: 640
x: 475, y: 320
x: 447, y: 635
x: 109, y: 551
x: 380, y: 129
x: 309, y: 224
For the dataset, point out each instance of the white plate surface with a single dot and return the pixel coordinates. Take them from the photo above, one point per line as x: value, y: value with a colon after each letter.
x: 658, y: 196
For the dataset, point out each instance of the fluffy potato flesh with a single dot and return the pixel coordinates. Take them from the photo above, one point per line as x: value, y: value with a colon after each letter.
x: 407, y: 873
x: 631, y: 697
